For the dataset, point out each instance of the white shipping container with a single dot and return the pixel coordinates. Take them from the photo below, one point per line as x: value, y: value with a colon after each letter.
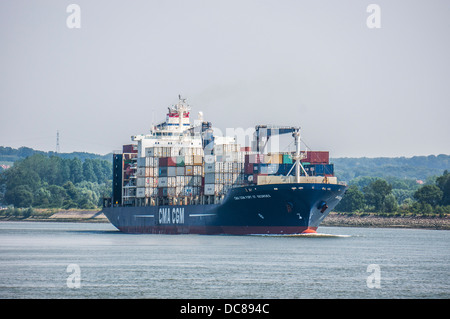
x: 198, y: 151
x: 145, y: 181
x: 210, y: 178
x: 229, y: 157
x: 140, y: 172
x: 150, y: 191
x: 158, y: 151
x: 191, y: 191
x: 218, y: 188
x: 171, y: 181
x: 172, y: 171
x: 151, y: 161
x: 162, y: 182
x: 141, y: 162
x: 210, y: 168
x: 181, y: 180
x: 196, y: 180
x: 140, y: 192
x: 209, y: 159
x: 188, y: 160
x: 186, y: 151
x: 219, y: 178
x: 216, y: 167
x: 238, y: 168
x: 209, y: 189
x: 238, y: 157
x: 227, y: 178
x: 140, y: 182
x: 179, y: 190
x: 180, y: 170
x: 198, y: 170
x: 175, y: 151
x: 219, y: 149
x: 149, y: 151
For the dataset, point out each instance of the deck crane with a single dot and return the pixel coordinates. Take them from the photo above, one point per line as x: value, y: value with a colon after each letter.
x: 264, y: 132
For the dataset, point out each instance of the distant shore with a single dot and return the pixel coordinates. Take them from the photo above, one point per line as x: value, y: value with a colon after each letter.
x: 70, y: 215
x: 377, y: 221
x: 333, y: 219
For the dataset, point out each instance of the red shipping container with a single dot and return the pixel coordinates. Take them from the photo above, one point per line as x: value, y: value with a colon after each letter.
x: 317, y: 157
x: 248, y: 168
x: 163, y: 161
x: 254, y: 158
x: 129, y: 148
x: 167, y: 161
x: 172, y: 161
x: 246, y: 149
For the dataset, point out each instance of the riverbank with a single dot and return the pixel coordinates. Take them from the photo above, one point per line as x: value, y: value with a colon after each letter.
x: 333, y: 219
x: 377, y: 221
x: 70, y: 215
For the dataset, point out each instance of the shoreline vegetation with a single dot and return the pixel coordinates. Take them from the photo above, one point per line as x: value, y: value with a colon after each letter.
x: 334, y: 219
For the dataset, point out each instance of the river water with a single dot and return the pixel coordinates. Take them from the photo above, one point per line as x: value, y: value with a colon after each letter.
x: 94, y: 260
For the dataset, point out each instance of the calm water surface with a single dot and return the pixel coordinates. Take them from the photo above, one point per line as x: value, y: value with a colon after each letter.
x: 34, y: 257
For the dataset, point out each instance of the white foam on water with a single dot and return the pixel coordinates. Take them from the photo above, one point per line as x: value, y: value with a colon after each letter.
x: 305, y: 235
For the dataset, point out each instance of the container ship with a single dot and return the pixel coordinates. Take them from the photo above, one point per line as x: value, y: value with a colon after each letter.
x: 182, y: 178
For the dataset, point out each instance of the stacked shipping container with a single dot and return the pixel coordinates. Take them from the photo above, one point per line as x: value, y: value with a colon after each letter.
x: 178, y: 174
x: 316, y: 163
x: 186, y: 171
x: 224, y: 169
x: 280, y: 164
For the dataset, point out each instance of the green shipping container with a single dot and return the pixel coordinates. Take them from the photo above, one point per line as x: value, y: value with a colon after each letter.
x: 287, y: 159
x: 180, y: 160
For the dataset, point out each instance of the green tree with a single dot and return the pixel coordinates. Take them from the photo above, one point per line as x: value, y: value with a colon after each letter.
x: 88, y: 171
x: 20, y: 196
x: 17, y: 176
x: 429, y: 194
x: 42, y: 197
x: 58, y: 195
x: 73, y: 194
x: 443, y: 182
x: 76, y: 170
x: 390, y: 203
x: 71, y: 191
x: 375, y: 194
x: 353, y: 200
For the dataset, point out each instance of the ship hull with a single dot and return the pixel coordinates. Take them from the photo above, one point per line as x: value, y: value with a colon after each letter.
x: 260, y: 209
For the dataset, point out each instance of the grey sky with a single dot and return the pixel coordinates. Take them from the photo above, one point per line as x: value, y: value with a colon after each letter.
x: 354, y: 91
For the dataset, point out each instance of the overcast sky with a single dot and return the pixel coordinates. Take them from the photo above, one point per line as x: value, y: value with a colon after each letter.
x: 355, y: 91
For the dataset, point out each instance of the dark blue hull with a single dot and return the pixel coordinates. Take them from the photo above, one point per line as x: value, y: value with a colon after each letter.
x: 263, y: 209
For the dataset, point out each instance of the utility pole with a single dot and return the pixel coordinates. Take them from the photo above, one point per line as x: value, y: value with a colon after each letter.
x: 57, y: 141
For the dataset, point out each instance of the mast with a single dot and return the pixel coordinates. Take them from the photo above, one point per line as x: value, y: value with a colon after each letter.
x: 298, y: 156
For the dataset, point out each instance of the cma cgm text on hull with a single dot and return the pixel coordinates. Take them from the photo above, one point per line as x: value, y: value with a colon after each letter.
x: 182, y: 178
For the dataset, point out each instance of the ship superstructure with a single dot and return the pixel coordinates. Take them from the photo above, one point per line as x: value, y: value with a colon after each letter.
x: 181, y: 178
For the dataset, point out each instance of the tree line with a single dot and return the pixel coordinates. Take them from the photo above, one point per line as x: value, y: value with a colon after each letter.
x: 50, y: 181
x: 416, y: 167
x: 393, y: 195
x: 9, y: 155
x: 42, y: 181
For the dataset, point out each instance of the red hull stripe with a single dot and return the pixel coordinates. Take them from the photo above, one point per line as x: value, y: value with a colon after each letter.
x: 215, y: 230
